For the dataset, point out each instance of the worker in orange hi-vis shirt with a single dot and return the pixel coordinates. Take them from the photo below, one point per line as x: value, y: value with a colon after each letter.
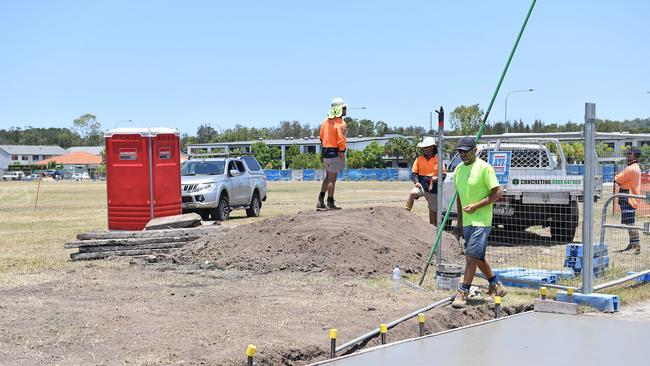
x: 333, y: 144
x: 629, y: 181
x: 425, y: 176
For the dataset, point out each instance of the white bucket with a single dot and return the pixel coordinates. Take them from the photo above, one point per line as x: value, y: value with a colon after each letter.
x: 448, y: 276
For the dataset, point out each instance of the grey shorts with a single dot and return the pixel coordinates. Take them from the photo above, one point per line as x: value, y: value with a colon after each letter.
x: 476, y: 239
x: 432, y: 198
x: 334, y: 165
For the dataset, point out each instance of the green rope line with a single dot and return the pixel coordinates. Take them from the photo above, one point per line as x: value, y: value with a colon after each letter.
x: 478, y: 137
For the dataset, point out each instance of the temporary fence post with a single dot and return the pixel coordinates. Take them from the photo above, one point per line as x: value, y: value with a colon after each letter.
x: 497, y: 307
x: 333, y: 343
x: 439, y: 203
x: 543, y: 292
x: 383, y: 328
x: 250, y: 352
x: 588, y: 211
x: 421, y: 324
x: 569, y: 294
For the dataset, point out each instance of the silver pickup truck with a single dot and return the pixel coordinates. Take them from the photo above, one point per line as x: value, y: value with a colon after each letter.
x: 539, y: 191
x: 215, y: 186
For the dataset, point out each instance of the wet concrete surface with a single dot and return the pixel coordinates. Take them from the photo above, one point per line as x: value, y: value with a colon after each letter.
x: 529, y: 339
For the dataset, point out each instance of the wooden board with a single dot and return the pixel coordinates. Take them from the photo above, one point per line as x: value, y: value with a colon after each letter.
x: 174, y: 222
x: 129, y: 241
x: 199, y: 230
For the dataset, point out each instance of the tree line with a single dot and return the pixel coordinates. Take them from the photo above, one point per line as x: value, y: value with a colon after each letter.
x: 86, y: 130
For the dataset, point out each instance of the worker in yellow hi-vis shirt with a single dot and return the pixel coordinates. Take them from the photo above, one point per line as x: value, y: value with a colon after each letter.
x: 478, y: 188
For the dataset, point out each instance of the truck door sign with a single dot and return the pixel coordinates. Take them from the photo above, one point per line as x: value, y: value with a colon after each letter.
x: 500, y: 161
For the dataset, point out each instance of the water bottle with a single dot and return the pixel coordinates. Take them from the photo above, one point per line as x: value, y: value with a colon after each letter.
x: 396, y: 279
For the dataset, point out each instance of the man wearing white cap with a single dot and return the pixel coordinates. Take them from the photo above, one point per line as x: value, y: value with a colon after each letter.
x: 333, y: 145
x: 425, y: 176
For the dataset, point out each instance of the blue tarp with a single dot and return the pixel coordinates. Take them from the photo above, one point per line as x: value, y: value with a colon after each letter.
x: 579, y: 169
x: 390, y: 174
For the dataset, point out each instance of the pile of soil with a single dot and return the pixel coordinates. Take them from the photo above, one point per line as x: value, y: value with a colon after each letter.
x: 363, y: 241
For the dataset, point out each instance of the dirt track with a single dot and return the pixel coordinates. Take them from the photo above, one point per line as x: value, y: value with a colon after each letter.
x: 279, y: 283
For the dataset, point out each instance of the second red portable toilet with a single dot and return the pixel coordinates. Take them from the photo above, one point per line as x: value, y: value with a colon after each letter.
x: 143, y: 177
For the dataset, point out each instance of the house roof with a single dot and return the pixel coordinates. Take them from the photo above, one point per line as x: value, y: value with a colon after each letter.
x: 32, y: 150
x: 79, y: 157
x: 94, y: 150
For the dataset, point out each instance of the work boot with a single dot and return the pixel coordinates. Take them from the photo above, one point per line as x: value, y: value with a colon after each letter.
x: 497, y: 289
x: 331, y: 205
x: 460, y: 301
x: 637, y: 249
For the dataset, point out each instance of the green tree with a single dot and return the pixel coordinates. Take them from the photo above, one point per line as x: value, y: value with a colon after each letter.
x: 290, y: 154
x: 205, y: 133
x: 356, y: 159
x: 306, y: 161
x: 89, y: 129
x: 373, y: 154
x: 401, y: 149
x: 604, y: 151
x: 269, y: 157
x: 466, y: 120
x: 569, y: 152
x: 578, y: 151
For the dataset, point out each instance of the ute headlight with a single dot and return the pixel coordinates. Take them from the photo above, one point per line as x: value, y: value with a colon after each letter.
x: 205, y: 186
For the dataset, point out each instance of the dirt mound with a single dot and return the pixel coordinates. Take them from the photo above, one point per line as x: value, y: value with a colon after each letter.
x: 364, y: 241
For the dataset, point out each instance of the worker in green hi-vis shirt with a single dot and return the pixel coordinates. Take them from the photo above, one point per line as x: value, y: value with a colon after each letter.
x: 478, y: 188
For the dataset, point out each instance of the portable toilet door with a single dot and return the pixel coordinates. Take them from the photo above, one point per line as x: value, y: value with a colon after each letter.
x: 130, y: 171
x: 166, y: 174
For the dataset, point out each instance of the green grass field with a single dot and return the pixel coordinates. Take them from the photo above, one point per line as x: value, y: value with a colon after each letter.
x: 32, y: 238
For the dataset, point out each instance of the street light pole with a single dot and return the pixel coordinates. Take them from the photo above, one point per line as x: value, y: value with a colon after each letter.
x: 505, y: 115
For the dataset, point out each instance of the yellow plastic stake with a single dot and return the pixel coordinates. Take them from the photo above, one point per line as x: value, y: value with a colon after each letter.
x: 569, y: 293
x: 333, y: 333
x: 497, y: 307
x: 250, y: 350
x: 333, y: 342
x: 543, y: 291
x: 383, y: 329
x: 421, y: 324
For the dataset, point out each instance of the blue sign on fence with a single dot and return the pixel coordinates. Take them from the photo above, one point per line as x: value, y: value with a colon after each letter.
x: 500, y: 160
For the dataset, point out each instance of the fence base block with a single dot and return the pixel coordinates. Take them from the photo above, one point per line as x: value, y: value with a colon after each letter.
x: 644, y: 278
x: 556, y: 307
x: 603, y: 302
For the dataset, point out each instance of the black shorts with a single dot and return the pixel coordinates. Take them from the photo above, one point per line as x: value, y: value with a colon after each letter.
x: 628, y: 213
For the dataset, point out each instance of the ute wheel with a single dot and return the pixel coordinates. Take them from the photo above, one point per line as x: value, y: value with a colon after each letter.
x: 564, y: 225
x: 222, y: 212
x: 255, y: 206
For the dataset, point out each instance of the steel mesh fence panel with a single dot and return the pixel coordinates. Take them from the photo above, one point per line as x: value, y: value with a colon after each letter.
x: 611, y: 235
x: 537, y: 222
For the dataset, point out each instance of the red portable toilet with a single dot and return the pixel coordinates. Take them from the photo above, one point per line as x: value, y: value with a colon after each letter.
x: 143, y: 176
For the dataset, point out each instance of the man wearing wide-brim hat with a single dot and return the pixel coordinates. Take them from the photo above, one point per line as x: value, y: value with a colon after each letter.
x: 425, y: 176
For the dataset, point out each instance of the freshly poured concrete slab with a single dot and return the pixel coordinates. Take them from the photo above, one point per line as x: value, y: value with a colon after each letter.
x: 528, y: 339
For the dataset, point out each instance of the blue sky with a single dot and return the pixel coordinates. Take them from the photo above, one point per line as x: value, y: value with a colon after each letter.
x: 180, y: 64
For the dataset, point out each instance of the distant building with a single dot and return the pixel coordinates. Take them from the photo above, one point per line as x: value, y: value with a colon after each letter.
x: 94, y: 150
x: 305, y: 144
x: 27, y: 154
x: 77, y: 162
